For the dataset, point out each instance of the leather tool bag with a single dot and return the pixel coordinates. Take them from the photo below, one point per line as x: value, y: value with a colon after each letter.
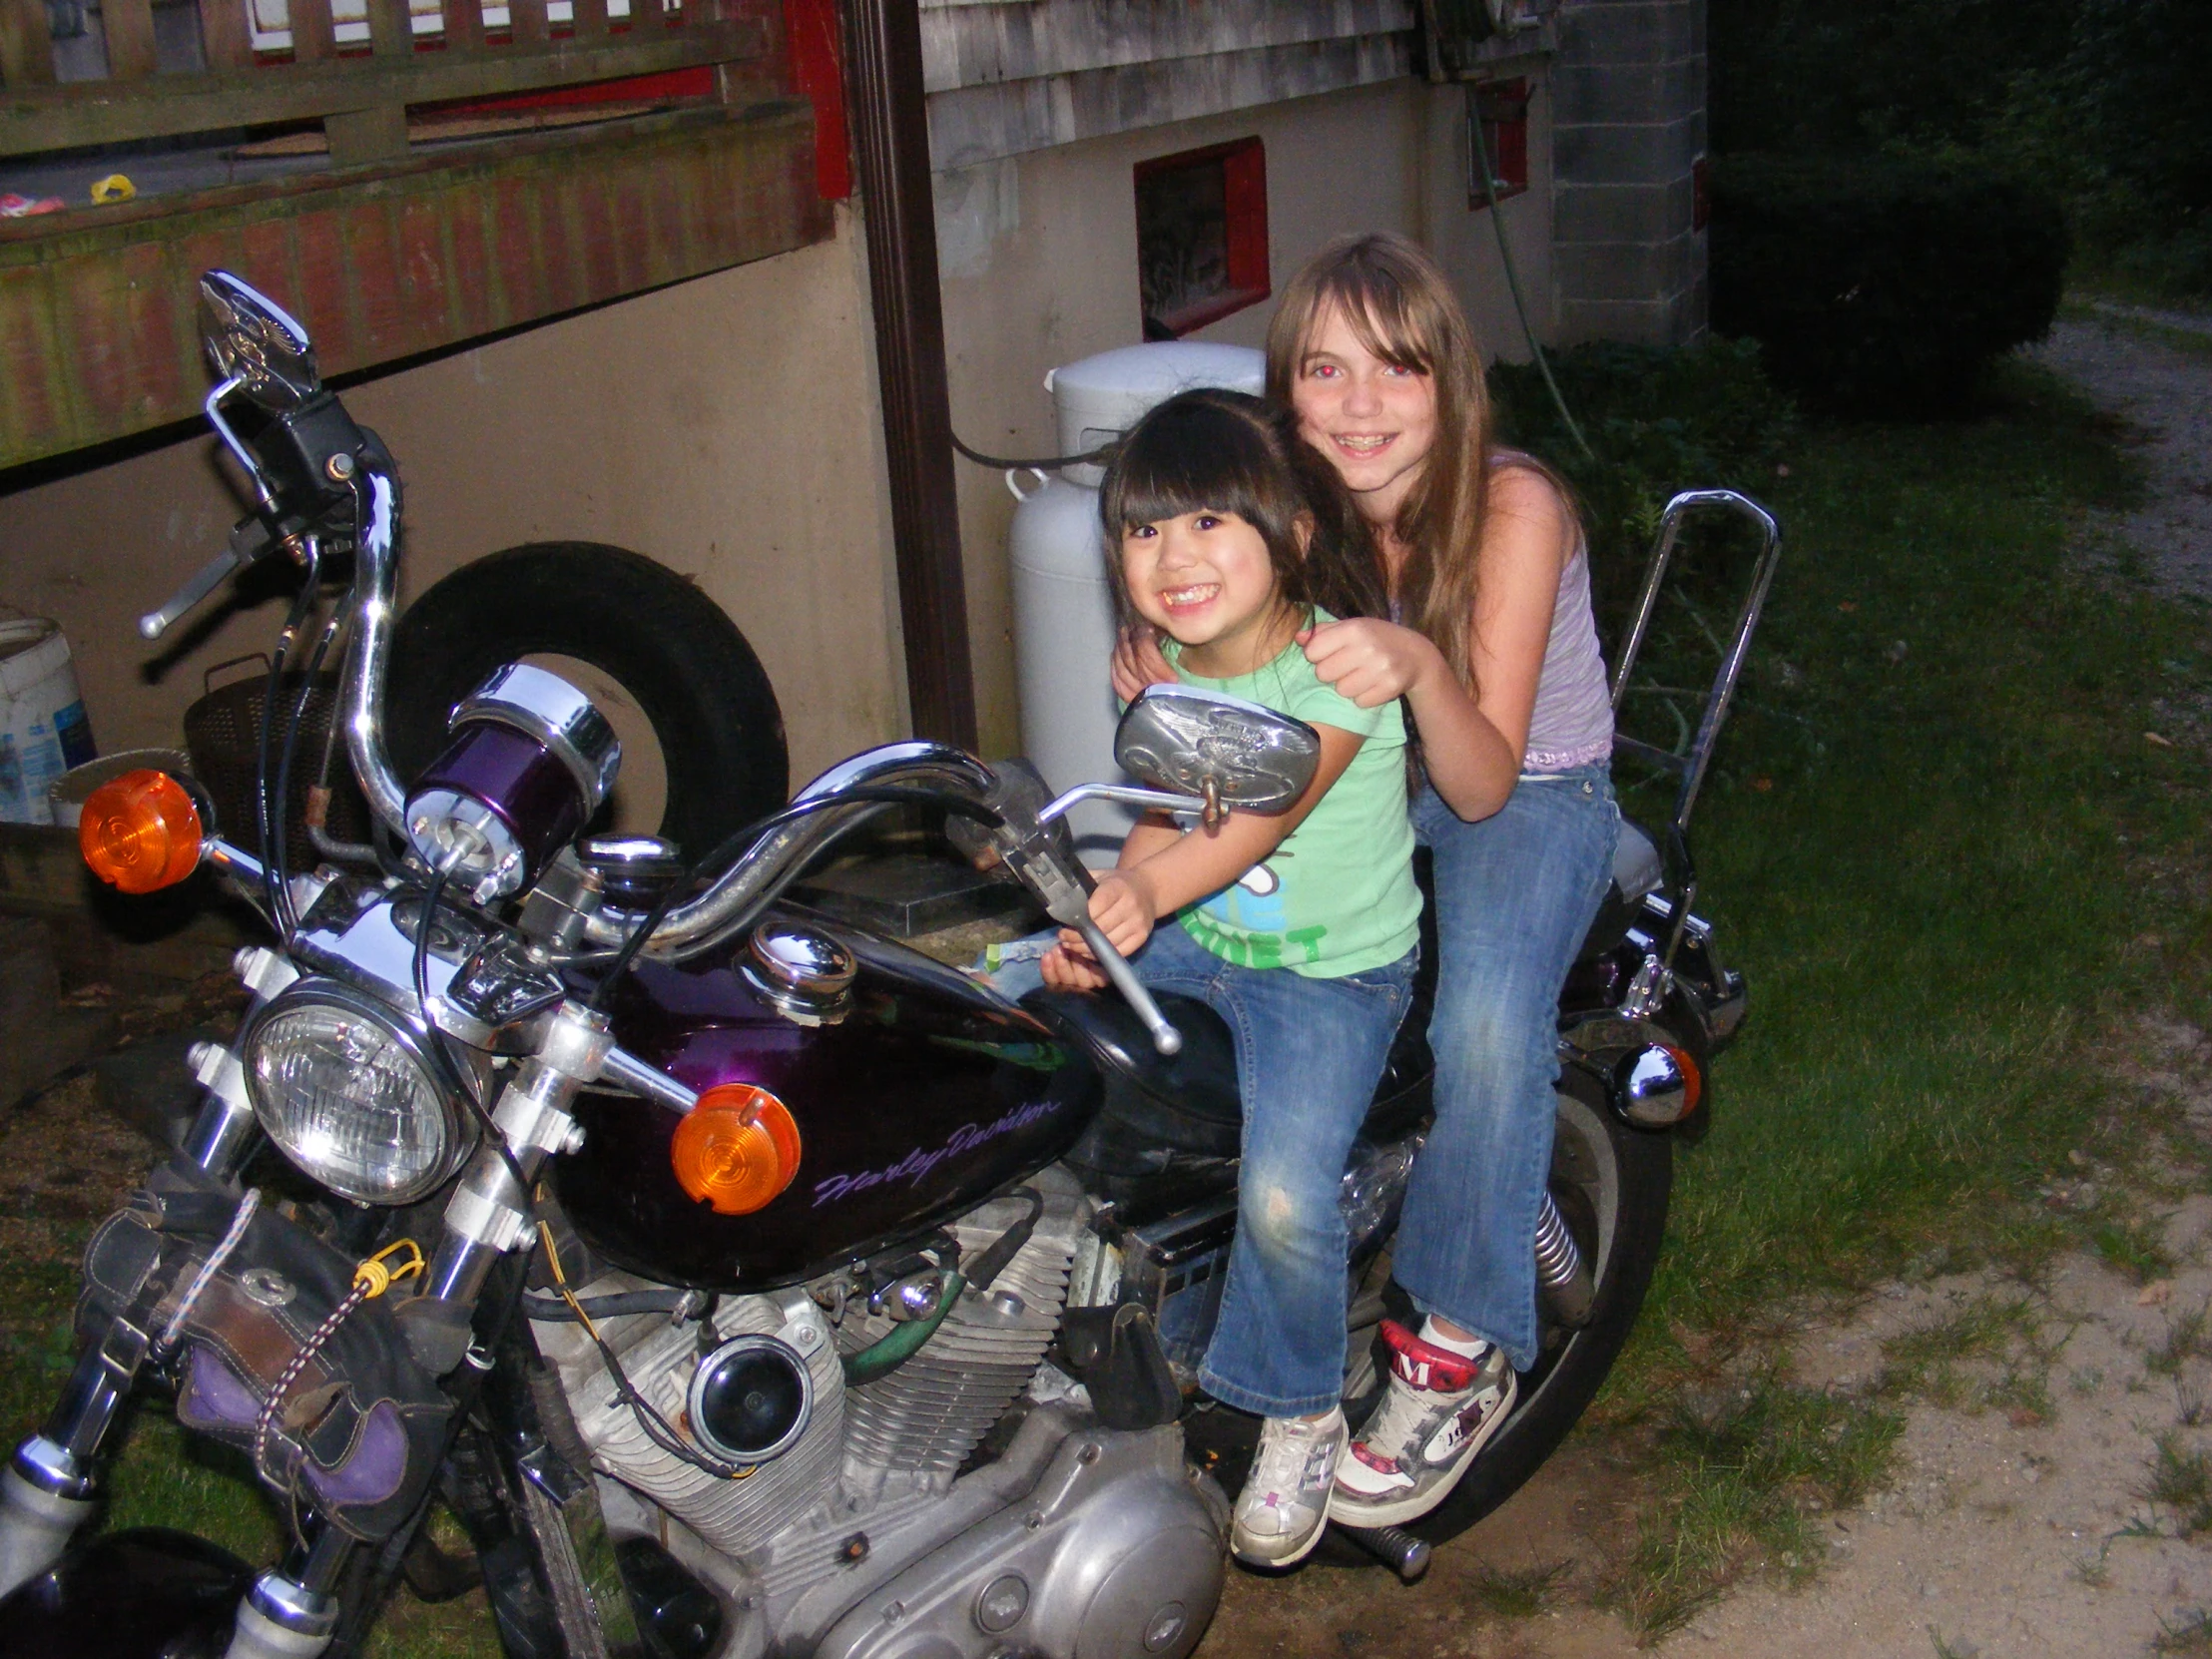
x: 362, y: 1426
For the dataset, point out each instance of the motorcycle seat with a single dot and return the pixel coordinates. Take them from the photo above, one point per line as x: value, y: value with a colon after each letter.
x: 1637, y: 870
x: 1188, y: 1102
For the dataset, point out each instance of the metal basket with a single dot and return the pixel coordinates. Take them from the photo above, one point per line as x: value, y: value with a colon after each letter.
x: 222, y: 736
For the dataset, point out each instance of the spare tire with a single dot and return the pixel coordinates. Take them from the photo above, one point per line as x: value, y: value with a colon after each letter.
x: 683, y: 662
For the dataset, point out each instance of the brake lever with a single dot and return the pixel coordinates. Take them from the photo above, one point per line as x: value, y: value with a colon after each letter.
x: 1165, y: 1037
x: 252, y: 541
x: 197, y: 587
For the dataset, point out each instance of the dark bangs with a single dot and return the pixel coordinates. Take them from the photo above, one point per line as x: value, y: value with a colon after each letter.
x: 1195, y: 453
x: 1231, y: 452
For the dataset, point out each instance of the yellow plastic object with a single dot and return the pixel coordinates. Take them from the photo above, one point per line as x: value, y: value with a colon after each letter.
x: 140, y: 833
x: 114, y: 188
x: 375, y: 1276
x: 737, y: 1150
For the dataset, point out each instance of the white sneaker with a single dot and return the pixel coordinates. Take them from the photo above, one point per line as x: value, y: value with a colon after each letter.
x: 1285, y: 1503
x: 1441, y: 1410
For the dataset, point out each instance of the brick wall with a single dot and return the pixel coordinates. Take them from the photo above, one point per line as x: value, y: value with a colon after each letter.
x: 1628, y: 122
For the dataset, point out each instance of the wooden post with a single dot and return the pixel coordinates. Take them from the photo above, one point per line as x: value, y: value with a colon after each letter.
x: 891, y: 125
x: 526, y: 21
x: 390, y: 29
x: 226, y: 34
x: 129, y: 29
x: 464, y: 25
x: 590, y: 20
x: 25, y: 49
x: 309, y: 22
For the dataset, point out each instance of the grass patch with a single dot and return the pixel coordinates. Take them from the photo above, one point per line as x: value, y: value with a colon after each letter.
x: 2133, y: 1246
x: 1739, y: 1484
x: 2188, y: 1336
x: 2181, y: 1482
x: 2196, y: 342
x: 1935, y: 785
x: 2189, y: 1632
x: 1517, y: 1593
x: 1933, y: 788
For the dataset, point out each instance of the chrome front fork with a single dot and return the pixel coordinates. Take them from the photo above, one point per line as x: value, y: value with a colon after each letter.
x: 51, y: 1484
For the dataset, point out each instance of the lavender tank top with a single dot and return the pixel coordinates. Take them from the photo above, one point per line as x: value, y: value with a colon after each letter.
x: 1572, y: 722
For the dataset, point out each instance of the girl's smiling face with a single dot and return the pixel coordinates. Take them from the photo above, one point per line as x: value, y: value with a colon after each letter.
x: 1373, y: 420
x: 1208, y: 580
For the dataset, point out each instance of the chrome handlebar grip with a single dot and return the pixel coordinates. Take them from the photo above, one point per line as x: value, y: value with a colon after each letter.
x: 1165, y: 1037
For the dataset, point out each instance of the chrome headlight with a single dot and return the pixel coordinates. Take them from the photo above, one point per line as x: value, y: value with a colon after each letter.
x: 346, y: 1093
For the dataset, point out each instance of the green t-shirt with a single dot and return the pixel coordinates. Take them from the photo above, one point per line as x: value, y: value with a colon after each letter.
x: 1338, y: 897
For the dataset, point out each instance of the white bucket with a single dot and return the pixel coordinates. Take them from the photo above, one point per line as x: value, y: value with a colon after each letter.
x: 43, y: 729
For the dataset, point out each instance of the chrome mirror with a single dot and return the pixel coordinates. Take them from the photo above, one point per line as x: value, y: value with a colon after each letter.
x: 251, y: 341
x: 1221, y: 748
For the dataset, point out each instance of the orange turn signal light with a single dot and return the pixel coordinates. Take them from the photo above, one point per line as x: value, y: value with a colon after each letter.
x: 140, y: 833
x: 1693, y: 1080
x: 737, y: 1149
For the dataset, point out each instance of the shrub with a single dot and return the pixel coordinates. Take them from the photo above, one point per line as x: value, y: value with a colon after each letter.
x: 1661, y: 419
x: 1882, y: 287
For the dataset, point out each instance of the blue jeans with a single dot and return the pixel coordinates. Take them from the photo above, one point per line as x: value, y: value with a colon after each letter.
x: 1309, y: 1055
x: 1514, y: 895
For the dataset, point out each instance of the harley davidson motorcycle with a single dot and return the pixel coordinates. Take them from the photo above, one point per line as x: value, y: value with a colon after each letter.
x: 742, y: 1281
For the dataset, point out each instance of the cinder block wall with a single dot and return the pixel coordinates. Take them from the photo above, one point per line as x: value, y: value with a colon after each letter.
x: 1628, y: 126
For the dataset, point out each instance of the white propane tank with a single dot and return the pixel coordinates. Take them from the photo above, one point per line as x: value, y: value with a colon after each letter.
x: 1063, y: 608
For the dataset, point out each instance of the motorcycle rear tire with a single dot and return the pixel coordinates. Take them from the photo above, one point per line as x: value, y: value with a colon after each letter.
x: 1637, y: 1165
x: 694, y: 676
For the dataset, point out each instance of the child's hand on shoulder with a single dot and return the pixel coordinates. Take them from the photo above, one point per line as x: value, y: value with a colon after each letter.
x: 1139, y: 662
x: 1367, y: 662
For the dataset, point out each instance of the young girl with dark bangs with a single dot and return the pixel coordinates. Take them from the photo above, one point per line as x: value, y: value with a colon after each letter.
x: 1233, y: 538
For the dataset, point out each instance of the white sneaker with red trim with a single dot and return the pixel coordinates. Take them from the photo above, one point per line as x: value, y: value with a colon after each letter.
x: 1441, y: 1410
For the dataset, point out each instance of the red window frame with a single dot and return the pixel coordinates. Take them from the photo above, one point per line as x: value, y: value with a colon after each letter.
x: 1242, y: 164
x: 1498, y: 111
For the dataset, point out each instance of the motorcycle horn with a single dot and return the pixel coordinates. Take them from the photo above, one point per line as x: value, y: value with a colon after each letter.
x: 529, y: 760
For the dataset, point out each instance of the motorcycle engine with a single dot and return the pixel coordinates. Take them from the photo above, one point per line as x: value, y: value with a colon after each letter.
x: 898, y: 1441
x: 868, y: 1533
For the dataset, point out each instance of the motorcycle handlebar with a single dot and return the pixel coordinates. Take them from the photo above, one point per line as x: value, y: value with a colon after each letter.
x: 1165, y: 1037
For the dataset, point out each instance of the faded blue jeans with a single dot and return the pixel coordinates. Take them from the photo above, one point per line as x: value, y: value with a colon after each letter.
x: 1309, y: 1055
x: 1514, y: 893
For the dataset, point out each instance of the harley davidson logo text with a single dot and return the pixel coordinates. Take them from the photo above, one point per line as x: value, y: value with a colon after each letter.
x: 918, y: 1163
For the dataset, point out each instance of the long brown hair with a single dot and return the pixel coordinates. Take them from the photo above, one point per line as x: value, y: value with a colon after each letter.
x: 1402, y: 309
x: 1230, y: 452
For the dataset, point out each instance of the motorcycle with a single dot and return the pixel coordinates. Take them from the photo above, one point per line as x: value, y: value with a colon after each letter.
x: 740, y: 1279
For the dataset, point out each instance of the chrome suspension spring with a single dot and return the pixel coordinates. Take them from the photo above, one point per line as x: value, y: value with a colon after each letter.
x: 1561, y: 1273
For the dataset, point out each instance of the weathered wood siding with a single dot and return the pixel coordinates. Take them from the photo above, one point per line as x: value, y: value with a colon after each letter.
x: 1009, y: 76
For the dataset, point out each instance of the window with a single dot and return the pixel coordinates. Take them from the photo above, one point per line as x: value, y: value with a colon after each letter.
x: 1202, y: 236
x: 1497, y: 127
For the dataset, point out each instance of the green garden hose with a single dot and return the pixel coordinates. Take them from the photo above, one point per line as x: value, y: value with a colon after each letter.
x: 1512, y: 282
